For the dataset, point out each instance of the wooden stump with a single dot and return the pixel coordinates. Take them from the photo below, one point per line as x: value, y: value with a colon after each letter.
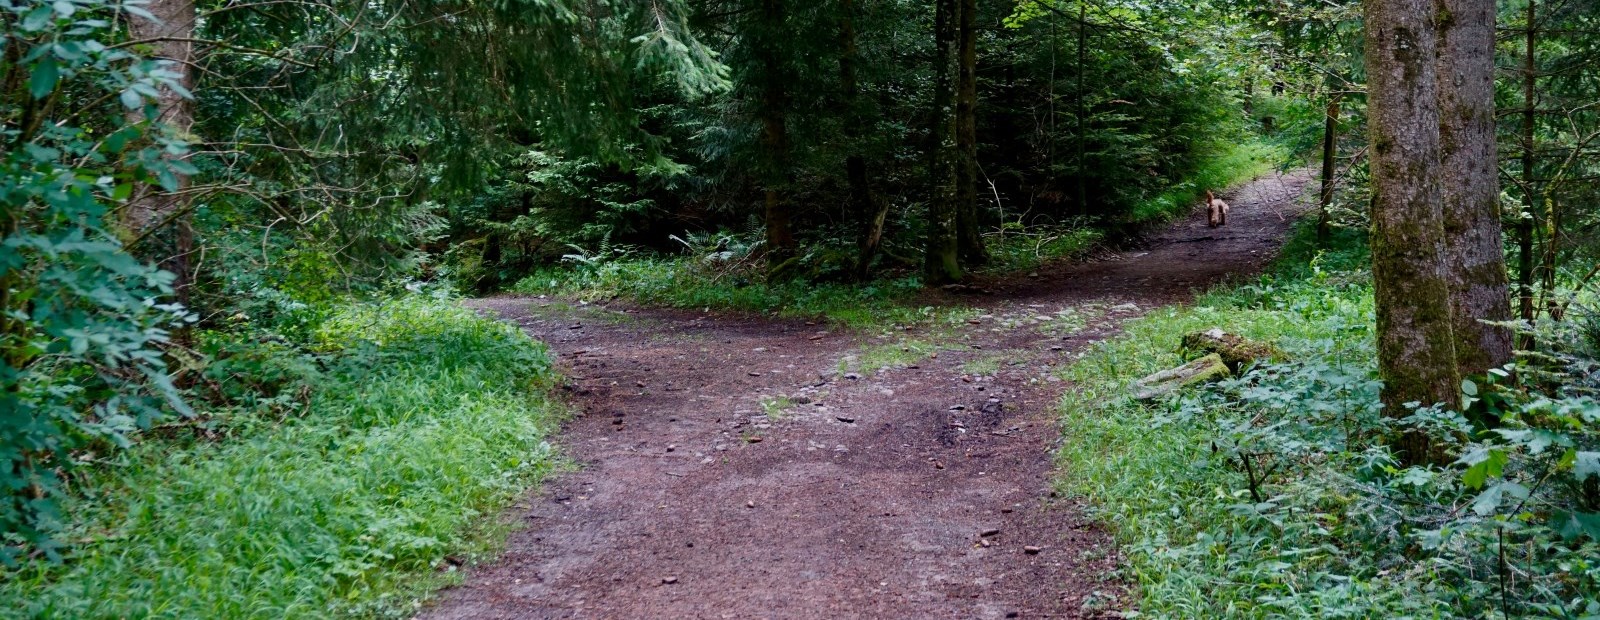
x: 1236, y: 351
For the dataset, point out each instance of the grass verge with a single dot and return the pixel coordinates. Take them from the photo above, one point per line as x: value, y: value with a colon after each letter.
x: 1274, y: 495
x: 427, y: 421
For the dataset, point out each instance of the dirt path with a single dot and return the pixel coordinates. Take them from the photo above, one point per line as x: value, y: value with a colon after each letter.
x: 749, y: 468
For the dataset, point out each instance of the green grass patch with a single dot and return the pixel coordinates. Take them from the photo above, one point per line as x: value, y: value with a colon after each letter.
x: 686, y: 283
x: 775, y: 407
x: 1229, y: 164
x: 987, y: 365
x: 427, y: 421
x: 1017, y: 248
x: 1322, y: 523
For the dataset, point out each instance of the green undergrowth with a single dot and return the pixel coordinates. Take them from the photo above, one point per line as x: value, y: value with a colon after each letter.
x: 1229, y: 164
x: 685, y: 282
x: 362, y: 472
x: 1272, y: 494
x: 714, y: 282
x: 725, y: 271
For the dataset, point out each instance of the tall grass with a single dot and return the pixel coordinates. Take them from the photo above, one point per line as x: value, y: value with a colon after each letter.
x: 1334, y: 527
x: 428, y: 421
x: 680, y: 282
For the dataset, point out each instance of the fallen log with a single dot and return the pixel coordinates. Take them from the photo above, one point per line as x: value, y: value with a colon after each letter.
x: 1208, y: 368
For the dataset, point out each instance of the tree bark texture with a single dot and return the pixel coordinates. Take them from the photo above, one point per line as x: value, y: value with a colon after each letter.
x: 1469, y: 178
x: 940, y: 261
x: 869, y: 211
x: 1330, y: 168
x: 774, y: 135
x: 1530, y: 195
x: 1416, y: 343
x: 151, y: 206
x: 969, y: 238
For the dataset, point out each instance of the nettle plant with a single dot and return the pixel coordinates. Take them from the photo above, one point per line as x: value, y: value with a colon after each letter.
x: 81, y: 319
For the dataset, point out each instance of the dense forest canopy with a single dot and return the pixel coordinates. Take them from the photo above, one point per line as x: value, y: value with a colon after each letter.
x: 197, y: 192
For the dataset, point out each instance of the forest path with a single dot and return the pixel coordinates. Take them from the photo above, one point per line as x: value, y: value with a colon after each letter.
x: 919, y: 490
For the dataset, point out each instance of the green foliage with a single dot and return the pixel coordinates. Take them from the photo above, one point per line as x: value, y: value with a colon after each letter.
x: 1225, y: 166
x: 722, y: 272
x: 80, y: 319
x: 318, y: 484
x: 1017, y: 247
x: 1273, y: 494
x: 686, y: 283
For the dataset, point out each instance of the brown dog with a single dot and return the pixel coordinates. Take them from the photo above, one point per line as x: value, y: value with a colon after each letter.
x: 1216, y: 210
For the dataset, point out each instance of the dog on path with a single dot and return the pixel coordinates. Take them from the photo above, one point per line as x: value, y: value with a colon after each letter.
x: 1216, y: 210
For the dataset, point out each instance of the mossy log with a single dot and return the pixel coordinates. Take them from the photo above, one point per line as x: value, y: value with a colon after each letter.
x: 1208, y: 368
x: 1236, y: 351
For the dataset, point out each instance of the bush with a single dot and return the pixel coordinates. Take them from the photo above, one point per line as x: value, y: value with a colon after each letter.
x: 422, y: 423
x: 1273, y: 494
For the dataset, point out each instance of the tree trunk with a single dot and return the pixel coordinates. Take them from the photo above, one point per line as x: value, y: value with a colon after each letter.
x: 1330, y: 160
x: 775, y: 136
x: 1416, y: 344
x: 1530, y: 197
x: 970, y: 240
x: 1469, y: 177
x: 1082, y: 112
x: 169, y: 35
x: 940, y: 262
x: 864, y: 205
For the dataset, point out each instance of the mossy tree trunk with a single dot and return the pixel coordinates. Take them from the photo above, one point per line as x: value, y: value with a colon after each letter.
x: 1416, y: 342
x: 1469, y: 178
x: 969, y: 239
x: 940, y: 262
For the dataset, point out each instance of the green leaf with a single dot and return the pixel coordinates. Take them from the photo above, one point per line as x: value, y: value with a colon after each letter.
x: 1483, y: 464
x: 1491, y: 498
x: 1587, y: 464
x: 45, y: 76
x: 37, y: 19
x: 1469, y: 388
x: 1572, y: 525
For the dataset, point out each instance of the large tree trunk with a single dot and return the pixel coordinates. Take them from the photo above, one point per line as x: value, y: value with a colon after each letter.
x: 940, y: 263
x: 169, y: 37
x: 864, y: 205
x: 969, y: 239
x: 775, y: 135
x: 1416, y: 344
x: 1330, y: 160
x: 1469, y: 178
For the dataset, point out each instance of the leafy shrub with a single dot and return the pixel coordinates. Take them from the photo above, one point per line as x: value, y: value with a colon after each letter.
x: 1273, y: 494
x: 80, y: 319
x: 422, y: 422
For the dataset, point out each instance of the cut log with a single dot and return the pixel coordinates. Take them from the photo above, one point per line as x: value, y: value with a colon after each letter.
x: 1208, y: 368
x: 1236, y: 351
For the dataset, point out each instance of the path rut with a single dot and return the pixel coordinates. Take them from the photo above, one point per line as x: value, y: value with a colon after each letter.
x: 921, y: 490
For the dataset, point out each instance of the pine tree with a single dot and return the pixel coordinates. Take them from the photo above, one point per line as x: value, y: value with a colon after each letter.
x: 1416, y: 342
x: 1469, y: 179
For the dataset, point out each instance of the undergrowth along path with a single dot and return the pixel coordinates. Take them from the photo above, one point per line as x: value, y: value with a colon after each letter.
x: 736, y: 467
